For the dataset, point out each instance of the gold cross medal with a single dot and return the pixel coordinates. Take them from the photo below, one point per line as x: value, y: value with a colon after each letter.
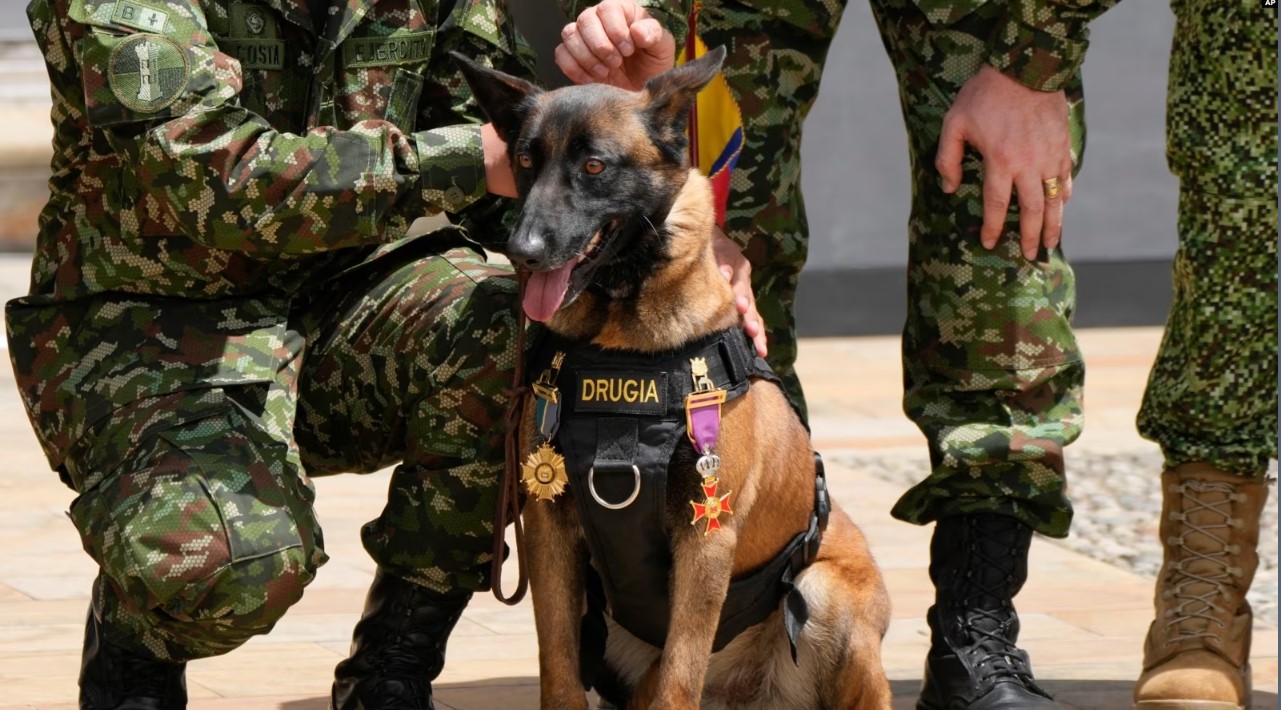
x: 703, y: 426
x: 543, y: 471
x: 711, y: 507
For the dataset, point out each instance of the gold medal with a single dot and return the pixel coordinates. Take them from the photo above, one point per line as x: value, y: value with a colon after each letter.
x: 544, y: 473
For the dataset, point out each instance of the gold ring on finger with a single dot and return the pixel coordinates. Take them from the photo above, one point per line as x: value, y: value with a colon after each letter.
x: 1052, y: 188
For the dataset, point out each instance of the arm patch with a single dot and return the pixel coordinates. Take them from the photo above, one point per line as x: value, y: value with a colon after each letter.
x: 147, y: 72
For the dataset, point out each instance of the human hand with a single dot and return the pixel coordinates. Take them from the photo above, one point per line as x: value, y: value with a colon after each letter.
x: 499, y: 178
x: 1023, y: 137
x: 737, y: 270
x: 615, y: 42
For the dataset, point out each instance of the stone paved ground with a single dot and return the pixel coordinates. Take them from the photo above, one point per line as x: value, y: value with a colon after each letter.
x: 1083, y: 619
x: 1118, y: 505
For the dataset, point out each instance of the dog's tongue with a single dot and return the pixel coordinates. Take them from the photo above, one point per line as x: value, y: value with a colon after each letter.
x: 545, y: 291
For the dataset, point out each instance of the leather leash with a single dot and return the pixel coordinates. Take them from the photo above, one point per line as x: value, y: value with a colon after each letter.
x: 509, y: 483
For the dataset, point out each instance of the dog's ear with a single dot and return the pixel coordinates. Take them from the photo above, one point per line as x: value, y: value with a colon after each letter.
x: 671, y: 94
x: 502, y: 97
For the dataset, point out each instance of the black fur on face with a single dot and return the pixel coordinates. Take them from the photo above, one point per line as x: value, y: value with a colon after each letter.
x: 597, y: 170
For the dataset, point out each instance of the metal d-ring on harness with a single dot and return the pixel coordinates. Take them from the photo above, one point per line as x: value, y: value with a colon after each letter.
x: 636, y: 486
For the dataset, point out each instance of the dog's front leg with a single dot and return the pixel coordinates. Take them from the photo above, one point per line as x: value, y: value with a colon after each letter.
x: 557, y: 555
x: 701, y: 570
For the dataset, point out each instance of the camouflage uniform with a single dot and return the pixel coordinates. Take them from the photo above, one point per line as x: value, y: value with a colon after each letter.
x: 776, y: 54
x: 992, y: 374
x: 223, y: 298
x: 1212, y: 394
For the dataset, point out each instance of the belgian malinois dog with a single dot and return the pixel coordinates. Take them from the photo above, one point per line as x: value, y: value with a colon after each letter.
x: 615, y: 235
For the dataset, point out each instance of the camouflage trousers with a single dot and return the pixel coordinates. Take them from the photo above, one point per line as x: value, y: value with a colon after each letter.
x: 197, y: 505
x: 1212, y: 393
x: 776, y: 54
x: 992, y: 374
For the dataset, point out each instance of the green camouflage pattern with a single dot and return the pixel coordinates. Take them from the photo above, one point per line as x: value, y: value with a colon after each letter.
x: 412, y: 367
x: 231, y: 194
x: 1212, y: 393
x: 1041, y: 43
x: 1221, y: 128
x: 201, y: 525
x: 775, y: 55
x: 992, y: 374
x: 197, y: 504
x: 183, y: 292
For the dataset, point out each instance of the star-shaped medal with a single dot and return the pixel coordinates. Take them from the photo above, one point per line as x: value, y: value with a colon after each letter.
x: 711, y: 507
x: 544, y: 473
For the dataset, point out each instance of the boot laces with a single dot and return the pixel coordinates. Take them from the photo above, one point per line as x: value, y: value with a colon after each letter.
x: 1197, y: 591
x: 994, y: 656
x: 987, y: 615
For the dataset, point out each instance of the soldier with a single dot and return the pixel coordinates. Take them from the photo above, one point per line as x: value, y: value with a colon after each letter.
x: 224, y: 300
x: 1211, y: 399
x: 992, y: 374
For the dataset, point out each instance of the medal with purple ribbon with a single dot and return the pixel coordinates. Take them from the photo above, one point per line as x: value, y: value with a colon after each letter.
x: 703, y: 425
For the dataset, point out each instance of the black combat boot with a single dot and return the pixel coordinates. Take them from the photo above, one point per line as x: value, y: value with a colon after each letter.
x: 978, y: 563
x: 112, y: 678
x: 398, y: 647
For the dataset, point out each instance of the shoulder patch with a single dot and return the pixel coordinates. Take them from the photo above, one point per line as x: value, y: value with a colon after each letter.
x: 147, y: 72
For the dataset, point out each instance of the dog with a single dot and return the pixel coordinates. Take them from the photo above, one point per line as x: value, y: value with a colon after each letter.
x: 614, y: 236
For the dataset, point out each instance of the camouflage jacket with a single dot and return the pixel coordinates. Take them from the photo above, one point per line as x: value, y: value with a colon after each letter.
x: 210, y: 157
x: 1039, y: 42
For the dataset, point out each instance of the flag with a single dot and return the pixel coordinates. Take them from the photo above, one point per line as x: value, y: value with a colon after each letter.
x: 715, y: 125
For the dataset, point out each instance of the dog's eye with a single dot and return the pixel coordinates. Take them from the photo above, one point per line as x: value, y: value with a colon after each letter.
x: 594, y: 167
x: 524, y: 161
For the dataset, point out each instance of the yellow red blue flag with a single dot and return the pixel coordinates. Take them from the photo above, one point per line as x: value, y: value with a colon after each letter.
x: 715, y: 125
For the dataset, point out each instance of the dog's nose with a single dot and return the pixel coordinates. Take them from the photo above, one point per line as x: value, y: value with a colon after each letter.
x: 527, y: 250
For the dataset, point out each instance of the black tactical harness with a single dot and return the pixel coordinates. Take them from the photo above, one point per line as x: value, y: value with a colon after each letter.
x: 622, y: 417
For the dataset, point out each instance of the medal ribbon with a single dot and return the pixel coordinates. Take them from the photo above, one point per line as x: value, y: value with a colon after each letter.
x: 547, y: 400
x: 703, y: 419
x: 546, y: 412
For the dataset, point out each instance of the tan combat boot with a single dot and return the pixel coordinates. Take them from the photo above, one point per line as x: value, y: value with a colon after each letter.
x: 1197, y: 653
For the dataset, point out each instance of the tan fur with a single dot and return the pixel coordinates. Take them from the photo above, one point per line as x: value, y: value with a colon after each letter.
x: 765, y: 455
